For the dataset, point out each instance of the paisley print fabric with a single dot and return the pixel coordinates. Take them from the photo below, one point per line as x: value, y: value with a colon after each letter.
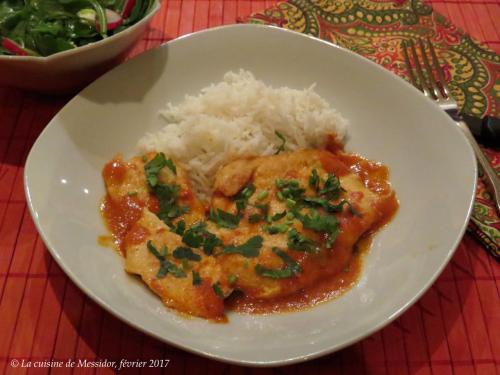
x: 376, y: 29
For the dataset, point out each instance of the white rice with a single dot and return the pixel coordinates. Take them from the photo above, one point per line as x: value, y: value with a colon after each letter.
x: 236, y: 118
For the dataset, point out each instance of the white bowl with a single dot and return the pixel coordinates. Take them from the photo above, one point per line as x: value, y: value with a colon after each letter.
x: 71, y: 70
x: 433, y: 171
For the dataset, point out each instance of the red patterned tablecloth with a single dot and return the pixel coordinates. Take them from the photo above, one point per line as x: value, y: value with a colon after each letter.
x: 453, y: 329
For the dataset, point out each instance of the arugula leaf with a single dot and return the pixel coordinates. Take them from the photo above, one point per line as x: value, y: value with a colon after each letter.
x: 249, y: 249
x: 183, y: 252
x: 283, y: 141
x: 165, y: 265
x: 218, y: 290
x: 196, y: 278
x: 297, y: 241
x: 292, y: 268
x: 224, y: 219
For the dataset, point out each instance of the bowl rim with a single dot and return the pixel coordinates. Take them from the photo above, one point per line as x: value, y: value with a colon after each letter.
x: 88, y: 47
x: 334, y: 347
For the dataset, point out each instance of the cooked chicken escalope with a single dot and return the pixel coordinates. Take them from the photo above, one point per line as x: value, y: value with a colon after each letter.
x: 276, y: 225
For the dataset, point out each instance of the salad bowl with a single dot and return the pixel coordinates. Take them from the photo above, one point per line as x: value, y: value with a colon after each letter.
x: 69, y: 71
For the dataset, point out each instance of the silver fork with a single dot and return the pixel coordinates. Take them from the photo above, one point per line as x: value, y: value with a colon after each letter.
x: 438, y: 91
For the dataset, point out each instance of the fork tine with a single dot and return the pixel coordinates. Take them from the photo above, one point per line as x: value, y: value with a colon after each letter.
x: 409, y: 66
x: 418, y: 68
x: 439, y: 70
x: 434, y: 88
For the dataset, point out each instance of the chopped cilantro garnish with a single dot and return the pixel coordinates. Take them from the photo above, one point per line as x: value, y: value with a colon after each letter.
x: 278, y: 216
x: 179, y: 228
x: 165, y: 265
x: 132, y: 193
x: 197, y: 236
x: 255, y: 218
x: 232, y: 278
x: 196, y: 278
x: 327, y: 224
x: 167, y: 194
x: 297, y: 241
x: 262, y: 195
x: 281, y: 147
x: 314, y: 179
x: 224, y: 219
x: 331, y: 188
x: 194, y: 235
x: 241, y: 199
x: 183, y: 252
x: 218, y: 290
x: 249, y: 249
x: 289, y: 189
x: 290, y: 203
x: 155, y: 165
x: 291, y: 267
x: 274, y: 229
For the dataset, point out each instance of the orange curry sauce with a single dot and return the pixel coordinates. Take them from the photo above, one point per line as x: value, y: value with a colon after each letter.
x: 120, y: 217
x: 375, y: 176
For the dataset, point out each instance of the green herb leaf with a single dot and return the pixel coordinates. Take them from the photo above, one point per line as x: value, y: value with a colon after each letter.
x: 292, y: 268
x: 289, y: 189
x: 232, y: 278
x: 297, y: 241
x: 155, y: 165
x: 275, y: 229
x: 165, y: 265
x: 243, y: 196
x: 281, y: 147
x: 217, y: 289
x: 179, y: 228
x: 327, y: 224
x: 183, y: 252
x: 331, y: 188
x: 249, y: 249
x: 278, y: 216
x: 314, y: 180
x: 255, y: 218
x: 224, y: 219
x: 197, y: 236
x: 196, y: 278
x: 262, y: 195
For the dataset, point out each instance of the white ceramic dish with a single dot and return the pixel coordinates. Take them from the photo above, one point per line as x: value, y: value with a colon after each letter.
x: 433, y: 171
x: 71, y: 70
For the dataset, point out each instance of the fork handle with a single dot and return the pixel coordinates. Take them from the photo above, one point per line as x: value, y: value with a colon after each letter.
x: 491, y: 178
